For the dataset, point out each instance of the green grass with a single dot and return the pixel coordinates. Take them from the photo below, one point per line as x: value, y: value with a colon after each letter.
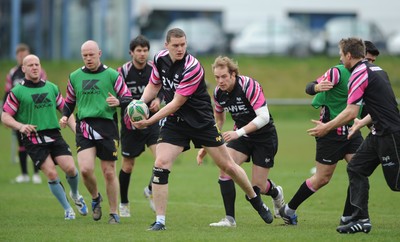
x: 281, y: 77
x: 30, y: 212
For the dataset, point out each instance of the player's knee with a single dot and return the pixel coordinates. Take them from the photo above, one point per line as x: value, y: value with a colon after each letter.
x: 229, y: 169
x: 86, y: 173
x: 323, y: 181
x: 109, y: 175
x: 127, y: 167
x: 70, y: 170
x: 128, y: 163
x: 52, y: 174
x: 160, y: 176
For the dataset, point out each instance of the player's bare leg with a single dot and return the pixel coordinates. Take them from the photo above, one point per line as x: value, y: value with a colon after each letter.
x: 166, y: 154
x: 224, y: 161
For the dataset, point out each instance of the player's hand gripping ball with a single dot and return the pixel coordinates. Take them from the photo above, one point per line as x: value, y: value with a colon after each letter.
x: 137, y: 110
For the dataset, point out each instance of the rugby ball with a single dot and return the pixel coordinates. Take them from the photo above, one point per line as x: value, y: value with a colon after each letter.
x: 137, y: 110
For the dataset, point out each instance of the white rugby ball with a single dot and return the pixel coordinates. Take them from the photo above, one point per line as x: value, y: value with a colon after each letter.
x: 137, y: 110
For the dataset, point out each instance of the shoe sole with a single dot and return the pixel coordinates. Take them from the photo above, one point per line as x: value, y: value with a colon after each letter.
x: 286, y: 219
x: 353, y: 232
x: 83, y: 213
x: 71, y: 217
x: 124, y: 214
x: 268, y: 218
x: 97, y: 214
x: 153, y: 227
x: 78, y: 207
x: 225, y: 226
x: 161, y: 229
x: 97, y: 210
x: 112, y: 220
x: 349, y: 230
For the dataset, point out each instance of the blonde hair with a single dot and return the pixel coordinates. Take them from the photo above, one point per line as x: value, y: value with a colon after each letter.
x: 224, y: 61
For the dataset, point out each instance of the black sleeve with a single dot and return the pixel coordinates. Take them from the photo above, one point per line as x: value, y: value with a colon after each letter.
x: 124, y: 101
x: 310, y: 88
x: 68, y: 109
x: 160, y: 95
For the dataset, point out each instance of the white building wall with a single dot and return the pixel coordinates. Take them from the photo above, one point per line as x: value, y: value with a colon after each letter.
x: 237, y: 14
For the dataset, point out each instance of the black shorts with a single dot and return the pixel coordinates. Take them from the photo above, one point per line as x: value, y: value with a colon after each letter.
x: 39, y: 152
x: 332, y: 147
x: 106, y: 149
x: 377, y: 150
x: 261, y: 151
x: 133, y: 142
x: 178, y: 132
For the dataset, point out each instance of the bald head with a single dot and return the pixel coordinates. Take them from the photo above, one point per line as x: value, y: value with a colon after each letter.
x: 91, y: 53
x: 29, y: 58
x: 31, y: 67
x: 90, y: 44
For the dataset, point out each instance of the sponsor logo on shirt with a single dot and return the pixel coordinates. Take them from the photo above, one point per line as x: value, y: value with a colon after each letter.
x: 90, y: 87
x: 236, y: 108
x: 41, y: 100
x: 168, y: 84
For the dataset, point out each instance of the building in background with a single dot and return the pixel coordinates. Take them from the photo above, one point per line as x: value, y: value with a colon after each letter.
x: 55, y: 29
x: 238, y: 14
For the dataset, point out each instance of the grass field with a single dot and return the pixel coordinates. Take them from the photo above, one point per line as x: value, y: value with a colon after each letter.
x: 281, y: 77
x: 30, y: 212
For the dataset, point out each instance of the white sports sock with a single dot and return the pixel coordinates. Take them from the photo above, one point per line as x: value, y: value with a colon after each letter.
x: 289, y: 211
x: 160, y: 219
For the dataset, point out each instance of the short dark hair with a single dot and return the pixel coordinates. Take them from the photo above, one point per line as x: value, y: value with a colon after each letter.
x: 371, y: 48
x: 139, y: 41
x: 22, y: 47
x: 175, y: 33
x: 354, y: 46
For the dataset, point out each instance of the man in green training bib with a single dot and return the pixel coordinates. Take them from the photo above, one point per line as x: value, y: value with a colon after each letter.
x: 31, y: 108
x: 92, y: 88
